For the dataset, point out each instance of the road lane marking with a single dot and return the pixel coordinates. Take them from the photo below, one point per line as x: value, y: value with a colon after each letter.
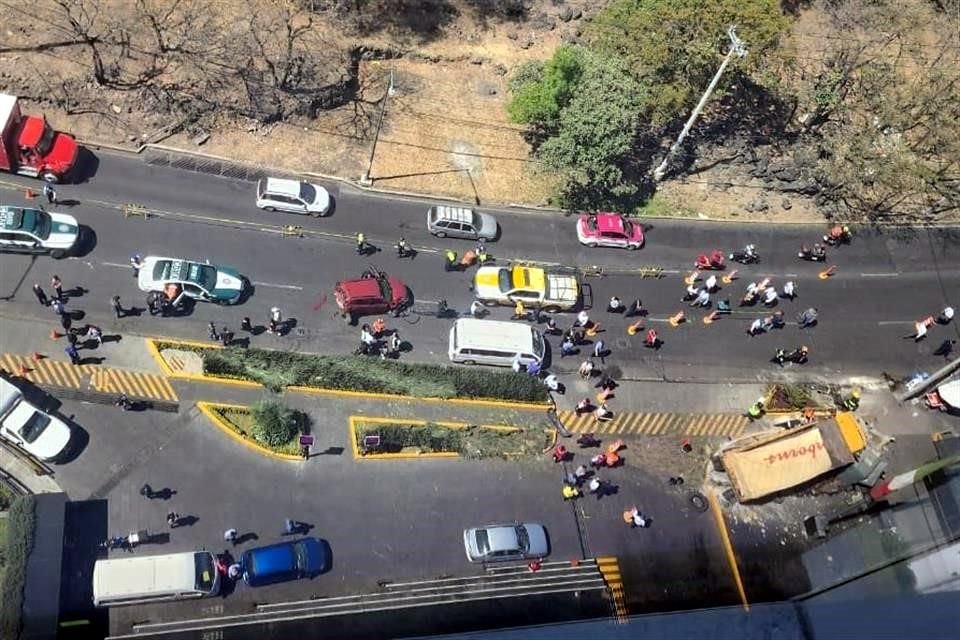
x: 292, y: 287
x: 115, y: 264
x: 879, y: 275
x: 727, y: 547
x: 891, y: 322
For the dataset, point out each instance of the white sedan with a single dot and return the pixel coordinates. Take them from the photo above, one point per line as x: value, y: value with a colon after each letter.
x: 176, y: 277
x: 34, y: 431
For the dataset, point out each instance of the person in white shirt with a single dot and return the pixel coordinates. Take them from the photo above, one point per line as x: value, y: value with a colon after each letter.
x: 756, y: 327
x: 788, y: 290
x: 477, y: 310
x: 552, y: 382
x: 366, y: 336
x: 703, y: 299
x: 516, y: 365
x: 711, y: 283
x: 583, y: 318
x: 769, y: 295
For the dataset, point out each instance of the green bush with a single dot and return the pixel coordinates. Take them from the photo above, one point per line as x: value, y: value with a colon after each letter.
x: 274, y: 424
x: 278, y: 369
x: 16, y: 551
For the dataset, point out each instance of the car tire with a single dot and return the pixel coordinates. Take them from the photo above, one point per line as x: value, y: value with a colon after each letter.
x: 488, y: 303
x: 552, y: 309
x: 440, y: 234
x: 484, y: 239
x: 469, y: 362
x: 269, y: 209
x: 592, y: 245
x: 316, y: 214
x: 632, y: 247
x: 58, y: 254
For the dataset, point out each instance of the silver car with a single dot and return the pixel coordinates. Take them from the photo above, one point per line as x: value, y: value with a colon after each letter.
x: 460, y: 222
x: 501, y: 542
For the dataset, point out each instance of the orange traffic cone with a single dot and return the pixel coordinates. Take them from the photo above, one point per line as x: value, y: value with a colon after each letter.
x: 604, y: 395
x: 677, y: 319
x: 55, y: 335
x: 22, y: 370
x: 37, y: 357
x: 592, y: 329
x: 711, y: 317
x: 832, y: 269
x: 635, y: 328
x: 693, y: 277
x: 727, y: 278
x: 29, y: 193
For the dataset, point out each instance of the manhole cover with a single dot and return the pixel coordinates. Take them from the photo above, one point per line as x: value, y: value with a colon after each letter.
x: 699, y: 502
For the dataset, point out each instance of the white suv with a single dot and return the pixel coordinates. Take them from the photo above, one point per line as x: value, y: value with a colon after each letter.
x: 34, y: 431
x: 292, y: 196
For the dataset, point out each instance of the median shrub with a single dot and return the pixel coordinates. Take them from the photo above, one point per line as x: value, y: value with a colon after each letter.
x: 471, y: 441
x: 278, y: 369
x: 274, y: 424
x: 16, y: 550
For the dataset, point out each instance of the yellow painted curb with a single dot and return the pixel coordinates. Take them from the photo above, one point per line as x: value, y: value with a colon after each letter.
x: 353, y: 420
x: 207, y: 409
x: 202, y: 377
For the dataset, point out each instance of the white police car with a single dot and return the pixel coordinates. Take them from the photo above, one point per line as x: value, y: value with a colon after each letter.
x: 197, y: 280
x: 28, y: 230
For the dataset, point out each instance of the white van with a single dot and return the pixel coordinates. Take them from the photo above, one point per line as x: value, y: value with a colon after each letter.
x: 137, y: 580
x: 494, y: 342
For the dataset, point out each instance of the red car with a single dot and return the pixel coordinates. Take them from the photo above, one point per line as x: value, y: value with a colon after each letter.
x: 372, y: 293
x: 609, y: 230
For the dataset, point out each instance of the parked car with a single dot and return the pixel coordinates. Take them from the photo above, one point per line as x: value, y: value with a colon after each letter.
x: 35, y: 431
x: 28, y: 230
x: 511, y: 541
x: 460, y: 222
x: 197, y: 280
x: 291, y: 560
x: 609, y: 230
x: 292, y: 196
x: 372, y: 293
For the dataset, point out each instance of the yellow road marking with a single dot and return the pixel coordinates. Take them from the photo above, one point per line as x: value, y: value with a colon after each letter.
x: 727, y: 547
x: 609, y: 568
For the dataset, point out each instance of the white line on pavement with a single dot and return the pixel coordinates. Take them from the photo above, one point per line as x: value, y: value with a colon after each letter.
x: 278, y: 286
x: 888, y: 322
x: 115, y: 264
x: 879, y: 275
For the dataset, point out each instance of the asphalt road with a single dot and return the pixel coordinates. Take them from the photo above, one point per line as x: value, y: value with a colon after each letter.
x: 885, y: 281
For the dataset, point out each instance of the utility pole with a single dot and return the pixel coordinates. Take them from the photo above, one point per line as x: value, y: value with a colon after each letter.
x: 736, y: 49
x: 365, y: 179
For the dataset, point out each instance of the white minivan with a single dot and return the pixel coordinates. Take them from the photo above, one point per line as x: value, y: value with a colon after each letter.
x: 292, y: 196
x: 137, y: 580
x: 494, y: 342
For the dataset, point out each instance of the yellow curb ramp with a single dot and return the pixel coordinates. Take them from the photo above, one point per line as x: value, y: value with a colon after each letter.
x: 200, y: 377
x: 89, y: 377
x: 355, y: 420
x: 657, y: 424
x: 610, y: 570
x: 207, y: 408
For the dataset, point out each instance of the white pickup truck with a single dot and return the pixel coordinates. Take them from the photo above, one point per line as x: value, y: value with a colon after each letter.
x: 33, y: 430
x: 533, y: 286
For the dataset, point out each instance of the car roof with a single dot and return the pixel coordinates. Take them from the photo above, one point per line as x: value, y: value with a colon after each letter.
x: 274, y: 558
x: 502, y: 537
x: 457, y: 214
x: 283, y: 186
x: 610, y: 222
x: 13, y: 218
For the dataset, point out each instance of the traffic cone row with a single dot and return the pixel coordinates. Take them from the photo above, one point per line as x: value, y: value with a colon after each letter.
x: 693, y: 277
x: 727, y: 278
x: 713, y: 315
x: 832, y: 269
x: 593, y: 328
x: 635, y: 328
x: 676, y: 319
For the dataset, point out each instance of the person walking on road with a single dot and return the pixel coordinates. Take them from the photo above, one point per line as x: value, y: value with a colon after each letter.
x: 245, y: 325
x: 41, y: 295
x: 94, y: 333
x: 477, y: 310
x: 73, y: 354
x: 361, y: 243
x: 615, y: 305
x: 945, y: 348
x: 136, y: 263
x: 147, y: 491
x: 599, y: 350
x: 49, y: 193
x: 567, y: 348
x: 212, y: 332
x: 117, y: 307
x: 230, y: 535
x: 450, y: 260
x: 57, y: 286
x: 173, y: 519
x: 635, y: 309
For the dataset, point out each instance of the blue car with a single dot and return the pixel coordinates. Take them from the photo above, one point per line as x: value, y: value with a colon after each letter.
x: 303, y: 558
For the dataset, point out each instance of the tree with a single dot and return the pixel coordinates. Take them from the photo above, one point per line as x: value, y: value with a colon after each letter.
x: 674, y: 46
x: 597, y: 128
x: 274, y: 424
x: 541, y: 91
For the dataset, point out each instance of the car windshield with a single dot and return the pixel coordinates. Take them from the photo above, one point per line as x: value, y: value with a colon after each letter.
x: 538, y: 347
x: 385, y: 291
x: 45, y: 143
x: 205, y: 571
x: 33, y: 427
x: 592, y: 223
x: 203, y: 275
x: 505, y: 280
x: 523, y: 540
x: 483, y: 541
x: 307, y: 192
